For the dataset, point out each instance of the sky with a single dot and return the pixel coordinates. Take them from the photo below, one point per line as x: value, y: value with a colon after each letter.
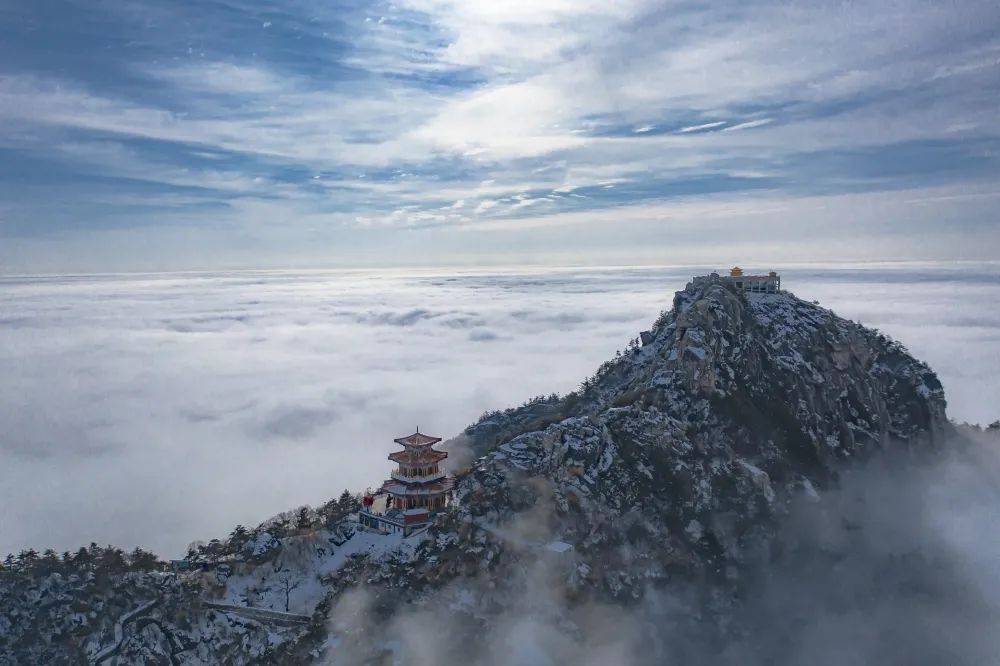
x: 146, y: 136
x: 160, y: 409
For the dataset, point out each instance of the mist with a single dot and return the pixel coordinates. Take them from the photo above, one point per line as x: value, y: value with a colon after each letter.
x: 155, y: 410
x: 898, y: 564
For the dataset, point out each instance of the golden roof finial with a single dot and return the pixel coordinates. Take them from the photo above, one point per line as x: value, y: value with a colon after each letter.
x: 736, y: 272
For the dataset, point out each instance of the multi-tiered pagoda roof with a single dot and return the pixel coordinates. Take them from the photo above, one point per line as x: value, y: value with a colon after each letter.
x: 417, y: 439
x: 417, y: 457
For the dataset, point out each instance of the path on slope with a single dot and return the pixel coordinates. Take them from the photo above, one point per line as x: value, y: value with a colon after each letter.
x: 112, y: 649
x: 261, y: 614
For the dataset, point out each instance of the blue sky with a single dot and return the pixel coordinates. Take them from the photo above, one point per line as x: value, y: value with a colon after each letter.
x: 160, y: 135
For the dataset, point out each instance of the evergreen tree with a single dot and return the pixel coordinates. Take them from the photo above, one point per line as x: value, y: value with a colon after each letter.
x: 143, y: 560
x: 82, y: 557
x: 48, y: 563
x: 303, y: 520
x: 26, y: 558
x: 111, y: 561
x: 213, y: 550
x: 330, y: 510
x: 238, y: 537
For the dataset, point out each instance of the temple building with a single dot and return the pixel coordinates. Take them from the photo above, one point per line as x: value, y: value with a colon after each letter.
x: 416, y: 490
x: 756, y: 284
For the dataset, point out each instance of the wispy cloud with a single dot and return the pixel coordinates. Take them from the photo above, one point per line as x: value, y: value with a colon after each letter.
x: 703, y: 126
x: 748, y: 124
x: 342, y: 112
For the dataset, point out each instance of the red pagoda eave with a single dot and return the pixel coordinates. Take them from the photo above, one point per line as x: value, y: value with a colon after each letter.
x: 417, y: 439
x: 410, y: 457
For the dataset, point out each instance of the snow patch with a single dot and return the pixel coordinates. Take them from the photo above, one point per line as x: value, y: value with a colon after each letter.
x: 559, y: 546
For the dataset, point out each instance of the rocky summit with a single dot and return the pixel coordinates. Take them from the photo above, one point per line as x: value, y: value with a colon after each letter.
x: 623, y: 522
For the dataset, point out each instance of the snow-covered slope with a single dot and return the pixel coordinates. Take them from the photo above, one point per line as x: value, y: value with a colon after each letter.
x: 94, y: 613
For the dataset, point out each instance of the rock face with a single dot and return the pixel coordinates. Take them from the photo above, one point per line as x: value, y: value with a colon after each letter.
x: 668, y: 470
x: 737, y: 401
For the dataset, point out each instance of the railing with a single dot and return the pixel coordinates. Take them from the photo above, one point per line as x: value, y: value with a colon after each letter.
x: 381, y: 517
x: 265, y: 614
x: 398, y: 520
x: 418, y: 479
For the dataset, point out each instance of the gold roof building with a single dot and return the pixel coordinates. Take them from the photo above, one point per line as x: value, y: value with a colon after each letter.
x: 754, y: 284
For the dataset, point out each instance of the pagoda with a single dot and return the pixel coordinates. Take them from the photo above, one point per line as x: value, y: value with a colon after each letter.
x: 416, y: 490
x: 756, y: 284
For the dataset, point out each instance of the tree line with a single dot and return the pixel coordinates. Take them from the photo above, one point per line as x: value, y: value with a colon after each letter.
x: 112, y: 560
x: 284, y: 524
x: 98, y: 559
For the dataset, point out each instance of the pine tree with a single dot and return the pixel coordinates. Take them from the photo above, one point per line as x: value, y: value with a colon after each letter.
x: 303, y: 521
x: 112, y: 560
x: 48, y: 563
x: 82, y: 557
x: 143, y: 560
x: 331, y: 509
x: 238, y: 537
x: 26, y: 558
x: 214, y: 550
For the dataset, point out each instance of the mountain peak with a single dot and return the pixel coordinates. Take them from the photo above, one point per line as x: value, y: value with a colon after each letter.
x: 765, y: 362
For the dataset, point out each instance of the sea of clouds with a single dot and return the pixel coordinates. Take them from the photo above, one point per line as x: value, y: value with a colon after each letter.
x: 158, y: 409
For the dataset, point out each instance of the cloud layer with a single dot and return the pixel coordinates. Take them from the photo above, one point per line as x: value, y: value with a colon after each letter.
x: 161, y: 409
